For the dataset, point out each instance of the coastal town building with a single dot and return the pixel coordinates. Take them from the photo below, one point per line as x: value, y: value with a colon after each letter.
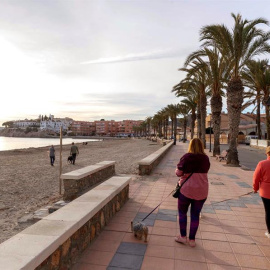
x: 54, y: 124
x: 83, y: 128
x: 26, y: 123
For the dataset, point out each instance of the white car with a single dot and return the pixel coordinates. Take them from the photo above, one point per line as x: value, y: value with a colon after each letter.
x: 249, y: 137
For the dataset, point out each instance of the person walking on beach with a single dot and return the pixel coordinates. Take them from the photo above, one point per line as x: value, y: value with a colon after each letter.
x: 261, y: 182
x: 73, y: 152
x: 52, y: 155
x: 194, y: 192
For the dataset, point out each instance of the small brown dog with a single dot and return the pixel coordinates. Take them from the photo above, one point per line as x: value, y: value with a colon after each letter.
x: 139, y: 230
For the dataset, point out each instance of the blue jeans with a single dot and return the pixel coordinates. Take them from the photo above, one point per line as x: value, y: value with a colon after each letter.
x: 196, y: 207
x: 52, y: 159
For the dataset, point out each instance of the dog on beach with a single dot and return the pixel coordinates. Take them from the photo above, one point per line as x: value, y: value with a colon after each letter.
x: 69, y: 159
x: 139, y: 230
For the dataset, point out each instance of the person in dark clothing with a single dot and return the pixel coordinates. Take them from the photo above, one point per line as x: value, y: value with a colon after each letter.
x: 52, y: 155
x: 73, y: 152
x: 195, y: 190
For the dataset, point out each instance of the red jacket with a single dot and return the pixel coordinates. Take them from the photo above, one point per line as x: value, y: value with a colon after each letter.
x: 261, y: 178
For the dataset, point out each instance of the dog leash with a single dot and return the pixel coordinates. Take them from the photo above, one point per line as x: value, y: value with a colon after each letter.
x: 210, y: 203
x: 167, y: 197
x: 158, y: 205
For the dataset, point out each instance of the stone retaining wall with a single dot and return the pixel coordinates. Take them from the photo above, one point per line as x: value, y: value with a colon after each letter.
x: 79, y: 181
x: 147, y: 164
x: 67, y: 254
x: 56, y: 241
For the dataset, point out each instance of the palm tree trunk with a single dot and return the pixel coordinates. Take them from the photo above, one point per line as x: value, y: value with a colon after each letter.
x: 258, y: 118
x: 175, y: 129
x: 216, y: 107
x: 203, y: 115
x: 234, y: 104
x: 199, y: 128
x: 193, y: 119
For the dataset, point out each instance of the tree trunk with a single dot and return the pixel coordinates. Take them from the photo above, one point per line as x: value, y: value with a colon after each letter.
x: 193, y: 119
x: 258, y: 118
x: 175, y: 129
x: 234, y: 104
x: 199, y: 128
x: 216, y: 108
x: 203, y: 115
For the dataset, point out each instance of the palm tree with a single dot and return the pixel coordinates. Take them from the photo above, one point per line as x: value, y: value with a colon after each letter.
x: 237, y: 47
x: 184, y: 110
x: 186, y: 88
x: 254, y: 78
x: 197, y: 71
x: 173, y: 111
x: 217, y: 72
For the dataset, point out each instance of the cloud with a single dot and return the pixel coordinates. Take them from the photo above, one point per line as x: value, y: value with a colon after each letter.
x: 158, y: 54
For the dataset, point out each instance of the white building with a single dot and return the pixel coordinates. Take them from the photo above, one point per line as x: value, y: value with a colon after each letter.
x: 55, y: 124
x: 25, y: 123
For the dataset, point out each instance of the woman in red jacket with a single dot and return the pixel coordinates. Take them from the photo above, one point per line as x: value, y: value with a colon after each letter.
x: 195, y: 191
x: 261, y: 182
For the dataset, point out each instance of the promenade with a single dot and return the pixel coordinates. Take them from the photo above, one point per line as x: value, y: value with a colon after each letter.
x: 230, y: 236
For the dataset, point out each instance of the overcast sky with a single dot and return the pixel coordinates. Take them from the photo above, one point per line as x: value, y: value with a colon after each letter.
x: 96, y: 59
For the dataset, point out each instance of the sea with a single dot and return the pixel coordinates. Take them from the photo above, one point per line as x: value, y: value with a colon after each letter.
x: 11, y: 143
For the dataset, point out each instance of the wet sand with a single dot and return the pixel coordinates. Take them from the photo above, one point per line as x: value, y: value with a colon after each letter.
x: 28, y: 181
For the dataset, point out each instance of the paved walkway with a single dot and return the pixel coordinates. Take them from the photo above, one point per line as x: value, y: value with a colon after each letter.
x: 230, y: 235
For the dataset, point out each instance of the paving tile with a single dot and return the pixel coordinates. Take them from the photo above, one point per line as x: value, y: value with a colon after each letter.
x: 128, y: 261
x: 168, y: 212
x: 210, y: 228
x: 189, y: 254
x: 165, y: 224
x: 132, y: 248
x: 214, y: 236
x: 166, y: 217
x: 111, y: 235
x: 162, y: 240
x: 96, y: 257
x: 87, y: 266
x: 189, y: 265
x: 104, y: 245
x: 243, y: 184
x: 157, y: 263
x: 253, y: 261
x: 221, y: 258
x: 222, y: 267
x: 234, y: 230
x: 160, y: 251
x: 245, y: 239
x: 164, y: 231
x: 217, y: 246
x: 249, y: 249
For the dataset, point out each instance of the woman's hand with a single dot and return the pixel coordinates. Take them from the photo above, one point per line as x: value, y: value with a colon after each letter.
x: 178, y: 172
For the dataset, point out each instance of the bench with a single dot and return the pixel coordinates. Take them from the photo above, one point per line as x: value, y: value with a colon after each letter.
x: 58, y: 240
x: 79, y: 181
x: 147, y: 164
x: 222, y: 156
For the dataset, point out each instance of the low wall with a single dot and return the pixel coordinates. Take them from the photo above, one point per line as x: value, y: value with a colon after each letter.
x: 259, y: 143
x: 147, y: 164
x: 79, y: 181
x: 57, y: 240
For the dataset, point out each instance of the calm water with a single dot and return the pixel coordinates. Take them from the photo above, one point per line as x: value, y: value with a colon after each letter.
x: 10, y: 143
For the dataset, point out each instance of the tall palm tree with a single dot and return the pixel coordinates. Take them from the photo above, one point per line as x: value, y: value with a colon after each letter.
x: 237, y: 47
x: 217, y: 73
x: 197, y: 71
x: 184, y: 110
x: 174, y: 110
x: 186, y: 88
x: 254, y: 78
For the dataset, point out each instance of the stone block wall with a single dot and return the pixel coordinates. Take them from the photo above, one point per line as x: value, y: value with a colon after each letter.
x: 68, y: 253
x: 76, y: 187
x: 146, y: 167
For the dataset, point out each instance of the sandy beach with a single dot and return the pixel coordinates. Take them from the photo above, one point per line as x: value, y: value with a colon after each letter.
x: 28, y: 181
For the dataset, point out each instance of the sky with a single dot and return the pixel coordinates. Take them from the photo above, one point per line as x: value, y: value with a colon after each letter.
x: 93, y: 59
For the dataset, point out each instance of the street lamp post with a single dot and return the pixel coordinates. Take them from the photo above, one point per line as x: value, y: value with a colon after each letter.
x: 210, y: 148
